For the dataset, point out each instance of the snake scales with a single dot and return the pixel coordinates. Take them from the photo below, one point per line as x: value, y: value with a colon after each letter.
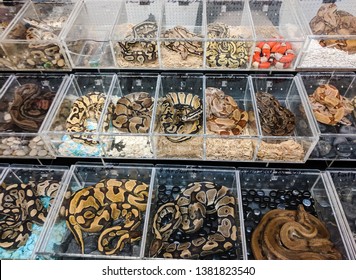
x: 111, y: 208
x: 292, y: 234
x: 187, y: 213
x: 20, y: 207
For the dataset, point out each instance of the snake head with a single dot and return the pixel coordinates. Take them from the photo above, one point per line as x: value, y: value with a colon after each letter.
x: 155, y: 247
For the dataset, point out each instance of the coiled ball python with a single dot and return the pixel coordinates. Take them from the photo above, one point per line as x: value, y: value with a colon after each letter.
x: 84, y: 108
x: 133, y: 113
x: 187, y: 213
x: 180, y: 113
x: 226, y: 51
x: 292, y: 235
x: 99, y: 208
x: 224, y: 117
x: 329, y: 106
x: 30, y: 106
x: 20, y: 207
x: 275, y: 119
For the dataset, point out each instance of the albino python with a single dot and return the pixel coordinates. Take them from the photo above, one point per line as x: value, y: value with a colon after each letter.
x: 187, y: 213
x: 180, y: 113
x: 133, y: 113
x: 224, y: 117
x: 98, y: 208
x: 89, y: 106
x: 275, y: 119
x: 20, y: 207
x: 292, y: 235
x: 30, y: 106
x: 223, y: 53
x: 179, y: 39
x: 329, y: 107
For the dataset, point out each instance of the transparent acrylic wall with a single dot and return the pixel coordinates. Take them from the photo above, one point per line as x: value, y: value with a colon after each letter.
x: 180, y: 187
x: 264, y: 190
x: 285, y: 124
x: 279, y: 35
x: 27, y: 100
x: 123, y: 198
x: 34, y: 39
x: 73, y: 127
x: 332, y: 99
x: 41, y: 185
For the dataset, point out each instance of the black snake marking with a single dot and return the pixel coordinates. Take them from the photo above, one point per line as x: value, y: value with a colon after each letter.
x: 98, y: 208
x: 188, y: 213
x: 20, y: 207
x: 133, y: 113
x: 89, y: 106
x: 30, y: 106
x: 180, y: 113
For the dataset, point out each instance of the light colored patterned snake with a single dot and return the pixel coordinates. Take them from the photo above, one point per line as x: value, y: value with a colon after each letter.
x: 20, y: 207
x: 188, y: 213
x: 275, y: 119
x: 99, y: 208
x: 89, y: 106
x: 224, y: 117
x: 133, y: 113
x: 30, y: 106
x: 180, y: 113
x: 292, y: 235
x: 329, y: 107
x: 226, y: 51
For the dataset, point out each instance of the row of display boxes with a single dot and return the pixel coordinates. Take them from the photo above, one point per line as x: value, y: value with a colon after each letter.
x: 255, y: 118
x: 169, y: 34
x: 91, y: 208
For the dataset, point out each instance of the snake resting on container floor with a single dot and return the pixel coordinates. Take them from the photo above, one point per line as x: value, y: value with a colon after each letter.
x: 30, y: 106
x: 293, y: 235
x: 20, y: 207
x: 98, y: 208
x: 275, y: 119
x: 224, y: 117
x: 180, y: 113
x: 187, y: 213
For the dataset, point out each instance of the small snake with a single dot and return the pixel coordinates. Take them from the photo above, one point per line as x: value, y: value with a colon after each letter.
x: 20, y: 207
x: 275, y: 119
x: 180, y: 113
x: 99, y: 208
x: 30, y: 106
x: 224, y: 117
x: 133, y: 113
x: 292, y: 235
x: 187, y: 213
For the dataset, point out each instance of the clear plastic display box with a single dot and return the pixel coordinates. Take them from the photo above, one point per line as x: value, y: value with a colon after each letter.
x: 179, y: 117
x: 332, y: 99
x: 72, y: 130
x: 343, y: 189
x: 33, y: 41
x: 112, y: 199
x: 87, y: 37
x: 331, y: 40
x: 230, y: 128
x: 26, y: 101
x: 182, y: 34
x: 132, y: 110
x: 286, y: 128
x: 229, y: 37
x: 35, y: 188
x: 279, y: 35
x: 177, y: 229
x: 135, y: 34
x: 289, y: 214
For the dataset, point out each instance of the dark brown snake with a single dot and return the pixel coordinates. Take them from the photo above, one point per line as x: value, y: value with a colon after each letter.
x: 292, y: 235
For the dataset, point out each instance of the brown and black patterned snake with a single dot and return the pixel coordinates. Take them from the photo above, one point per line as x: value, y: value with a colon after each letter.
x: 20, y: 207
x: 187, y: 213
